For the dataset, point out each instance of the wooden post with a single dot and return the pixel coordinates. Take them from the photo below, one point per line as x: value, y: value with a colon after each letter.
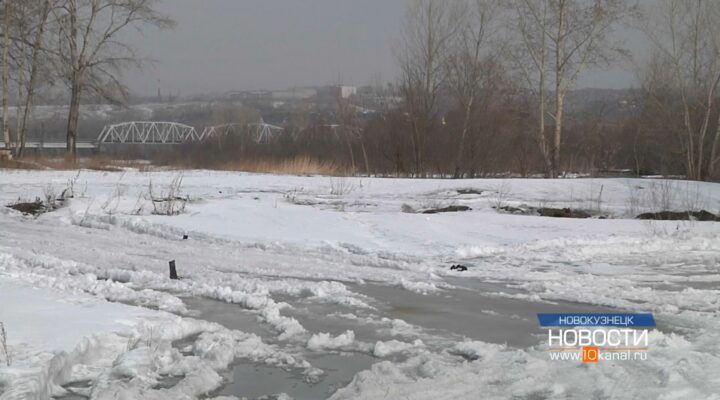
x: 173, y: 272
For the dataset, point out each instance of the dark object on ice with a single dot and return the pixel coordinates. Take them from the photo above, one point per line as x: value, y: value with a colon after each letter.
x: 458, y: 267
x: 36, y: 207
x: 185, y: 237
x: 562, y: 213
x: 173, y: 272
x: 513, y: 210
x: 169, y: 199
x: 680, y: 216
x: 447, y: 209
x: 468, y: 191
x: 549, y: 212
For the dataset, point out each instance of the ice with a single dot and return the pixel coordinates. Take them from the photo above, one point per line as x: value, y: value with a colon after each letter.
x: 87, y: 302
x: 384, y: 349
x: 324, y: 341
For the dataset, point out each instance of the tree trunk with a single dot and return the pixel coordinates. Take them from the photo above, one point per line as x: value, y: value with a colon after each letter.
x: 76, y: 83
x: 461, y: 146
x: 690, y: 144
x: 714, y: 157
x: 6, y: 76
x: 19, y: 109
x: 542, y: 140
x: 557, y: 137
x: 74, y: 113
x: 365, y: 156
x: 37, y: 45
x: 559, y: 42
x: 416, y: 148
x: 350, y: 149
x: 700, y: 169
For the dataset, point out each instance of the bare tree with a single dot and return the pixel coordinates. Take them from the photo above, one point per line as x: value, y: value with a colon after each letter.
x: 7, y: 20
x: 558, y: 40
x: 90, y: 51
x: 532, y: 22
x: 713, y: 14
x: 428, y: 29
x: 350, y: 130
x: 469, y: 65
x: 31, y: 58
x: 683, y: 76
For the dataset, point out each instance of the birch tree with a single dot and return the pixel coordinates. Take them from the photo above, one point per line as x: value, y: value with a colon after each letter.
x: 683, y: 78
x: 23, y: 27
x: 556, y: 41
x: 32, y: 59
x: 7, y: 21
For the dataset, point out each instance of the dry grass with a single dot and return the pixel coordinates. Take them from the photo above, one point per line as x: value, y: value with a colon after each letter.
x: 296, y: 166
x: 21, y: 164
x: 97, y: 162
x: 3, y: 344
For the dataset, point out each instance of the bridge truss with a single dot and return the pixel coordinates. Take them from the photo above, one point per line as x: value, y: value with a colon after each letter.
x: 148, y: 132
x: 153, y: 132
x: 259, y: 132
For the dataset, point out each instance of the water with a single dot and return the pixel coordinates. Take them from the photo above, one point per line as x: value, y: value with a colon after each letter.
x: 322, y: 317
x: 76, y: 391
x: 254, y: 381
x: 474, y: 309
x: 231, y: 316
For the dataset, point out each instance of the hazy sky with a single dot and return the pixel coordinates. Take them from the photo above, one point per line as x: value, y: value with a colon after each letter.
x: 222, y: 45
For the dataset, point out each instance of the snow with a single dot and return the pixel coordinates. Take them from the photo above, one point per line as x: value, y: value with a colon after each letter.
x: 46, y: 311
x: 84, y: 292
x: 54, y: 339
x: 324, y: 341
x: 384, y: 349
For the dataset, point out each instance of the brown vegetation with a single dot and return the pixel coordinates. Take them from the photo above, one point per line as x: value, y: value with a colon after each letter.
x: 701, y: 215
x: 301, y: 165
x: 97, y: 163
x: 29, y: 207
x: 485, y: 88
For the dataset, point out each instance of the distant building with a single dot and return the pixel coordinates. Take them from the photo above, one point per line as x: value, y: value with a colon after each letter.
x: 249, y: 95
x: 334, y: 92
x: 294, y: 94
x: 347, y: 91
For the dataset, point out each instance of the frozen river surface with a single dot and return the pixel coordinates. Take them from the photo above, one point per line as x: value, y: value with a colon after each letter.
x: 316, y: 287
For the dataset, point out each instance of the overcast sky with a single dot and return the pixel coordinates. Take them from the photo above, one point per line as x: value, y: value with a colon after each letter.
x: 221, y: 45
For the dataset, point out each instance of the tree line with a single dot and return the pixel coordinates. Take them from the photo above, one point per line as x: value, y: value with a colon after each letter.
x: 75, y: 46
x: 480, y: 70
x: 484, y: 87
x: 488, y: 87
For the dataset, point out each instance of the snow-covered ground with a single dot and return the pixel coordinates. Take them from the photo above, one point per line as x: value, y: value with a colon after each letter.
x: 326, y: 278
